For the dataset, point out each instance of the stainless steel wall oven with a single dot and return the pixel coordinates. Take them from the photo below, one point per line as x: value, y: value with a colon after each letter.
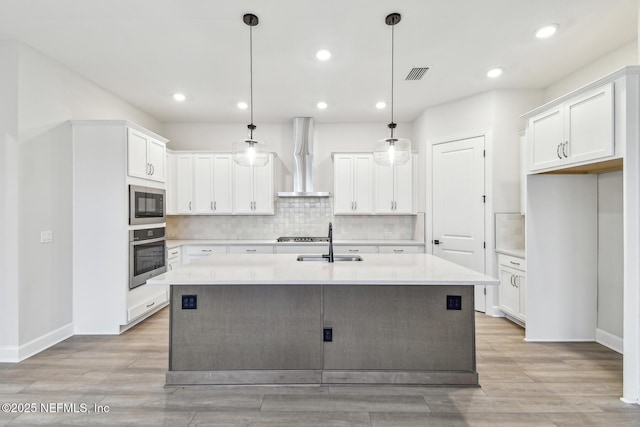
x: 147, y: 255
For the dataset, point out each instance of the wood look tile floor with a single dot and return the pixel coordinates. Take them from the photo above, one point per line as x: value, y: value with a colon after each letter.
x: 522, y: 384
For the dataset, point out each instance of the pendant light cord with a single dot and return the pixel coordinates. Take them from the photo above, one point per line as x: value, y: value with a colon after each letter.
x: 251, y: 126
x: 392, y: 56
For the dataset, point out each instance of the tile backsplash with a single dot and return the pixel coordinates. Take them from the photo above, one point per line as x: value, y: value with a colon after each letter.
x: 296, y: 217
x: 509, y: 231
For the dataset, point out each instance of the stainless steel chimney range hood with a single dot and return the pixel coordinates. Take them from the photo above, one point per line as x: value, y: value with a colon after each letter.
x: 303, y: 161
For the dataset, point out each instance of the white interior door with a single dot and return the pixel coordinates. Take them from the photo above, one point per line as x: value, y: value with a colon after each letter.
x: 458, y: 206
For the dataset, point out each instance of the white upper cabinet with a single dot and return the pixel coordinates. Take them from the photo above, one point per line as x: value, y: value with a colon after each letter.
x: 577, y: 131
x: 394, y: 188
x: 353, y: 183
x: 203, y: 183
x: 253, y: 192
x: 184, y: 183
x: 146, y: 156
x: 172, y: 189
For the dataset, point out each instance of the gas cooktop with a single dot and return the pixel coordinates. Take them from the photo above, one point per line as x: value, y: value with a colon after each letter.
x: 302, y: 239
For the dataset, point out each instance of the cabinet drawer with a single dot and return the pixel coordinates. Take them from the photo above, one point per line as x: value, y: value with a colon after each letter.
x: 302, y: 249
x: 150, y: 304
x: 351, y: 249
x: 401, y: 249
x: 512, y: 262
x: 250, y: 249
x: 205, y: 249
x: 173, y: 254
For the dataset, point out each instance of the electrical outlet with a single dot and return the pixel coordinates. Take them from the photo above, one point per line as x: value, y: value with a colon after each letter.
x: 189, y: 302
x: 46, y: 236
x: 454, y: 302
x: 327, y: 334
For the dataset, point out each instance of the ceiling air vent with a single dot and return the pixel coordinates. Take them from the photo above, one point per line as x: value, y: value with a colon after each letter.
x: 417, y: 73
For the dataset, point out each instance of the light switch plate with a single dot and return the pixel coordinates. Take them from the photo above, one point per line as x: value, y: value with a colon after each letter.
x: 46, y: 236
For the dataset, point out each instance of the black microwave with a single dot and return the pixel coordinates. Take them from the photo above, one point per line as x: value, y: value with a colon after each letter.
x: 146, y: 205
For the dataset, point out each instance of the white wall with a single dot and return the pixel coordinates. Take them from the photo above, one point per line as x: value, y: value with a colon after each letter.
x: 45, y: 96
x: 328, y: 138
x: 610, y: 253
x: 9, y: 214
x: 625, y: 55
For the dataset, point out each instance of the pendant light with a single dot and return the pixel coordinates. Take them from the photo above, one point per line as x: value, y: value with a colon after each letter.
x: 392, y: 151
x: 250, y: 152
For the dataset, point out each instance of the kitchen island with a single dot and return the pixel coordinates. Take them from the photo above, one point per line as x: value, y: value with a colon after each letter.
x: 270, y: 319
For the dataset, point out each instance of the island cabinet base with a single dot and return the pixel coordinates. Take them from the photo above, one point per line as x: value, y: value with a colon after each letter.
x: 275, y: 334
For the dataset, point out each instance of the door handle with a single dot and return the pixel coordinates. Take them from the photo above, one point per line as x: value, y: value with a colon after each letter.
x: 436, y: 242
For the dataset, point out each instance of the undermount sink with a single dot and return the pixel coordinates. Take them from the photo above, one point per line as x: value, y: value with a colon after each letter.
x: 326, y: 258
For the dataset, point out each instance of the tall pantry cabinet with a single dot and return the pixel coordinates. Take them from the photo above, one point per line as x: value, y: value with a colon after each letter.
x: 570, y: 141
x: 104, y: 165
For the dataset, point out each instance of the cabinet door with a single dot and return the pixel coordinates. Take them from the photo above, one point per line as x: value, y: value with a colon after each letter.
x: 403, y: 188
x: 184, y: 184
x: 263, y: 196
x: 589, y: 125
x: 521, y: 281
x: 384, y: 184
x: 172, y: 189
x: 156, y: 158
x: 508, y: 294
x: 547, y: 139
x: 203, y: 184
x: 343, y: 184
x: 222, y: 179
x: 362, y: 184
x: 242, y: 189
x: 137, y: 154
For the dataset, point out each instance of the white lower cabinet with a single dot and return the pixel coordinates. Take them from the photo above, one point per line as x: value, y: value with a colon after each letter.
x: 401, y: 249
x: 251, y: 249
x: 302, y: 249
x: 191, y: 253
x: 158, y: 299
x: 355, y: 249
x: 513, y: 287
x: 174, y: 258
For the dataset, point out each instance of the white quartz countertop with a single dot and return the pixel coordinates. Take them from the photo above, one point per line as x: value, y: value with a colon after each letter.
x: 284, y: 269
x: 175, y: 243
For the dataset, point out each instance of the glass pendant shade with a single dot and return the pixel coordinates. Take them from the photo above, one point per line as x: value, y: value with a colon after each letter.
x: 249, y: 153
x: 392, y: 151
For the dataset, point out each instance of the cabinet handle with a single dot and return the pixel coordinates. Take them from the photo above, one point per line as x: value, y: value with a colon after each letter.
x: 564, y: 149
x: 215, y: 206
x: 206, y: 250
x: 189, y: 205
x: 511, y: 280
x: 153, y: 169
x: 398, y: 251
x: 514, y: 263
x: 151, y: 305
x: 516, y: 281
x: 558, y: 151
x: 250, y: 250
x: 352, y: 205
x: 356, y: 205
x: 354, y: 250
x: 211, y: 205
x: 392, y: 205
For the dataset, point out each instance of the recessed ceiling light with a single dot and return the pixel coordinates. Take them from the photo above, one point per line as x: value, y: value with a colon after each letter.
x: 243, y: 105
x: 323, y: 54
x: 322, y: 105
x: 179, y: 97
x: 380, y: 105
x: 494, y: 72
x: 547, y: 31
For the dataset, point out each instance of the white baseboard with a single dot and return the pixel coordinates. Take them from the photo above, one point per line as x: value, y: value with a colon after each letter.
x: 17, y: 354
x: 609, y: 340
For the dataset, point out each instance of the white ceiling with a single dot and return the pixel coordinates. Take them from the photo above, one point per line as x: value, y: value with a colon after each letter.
x: 145, y: 50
